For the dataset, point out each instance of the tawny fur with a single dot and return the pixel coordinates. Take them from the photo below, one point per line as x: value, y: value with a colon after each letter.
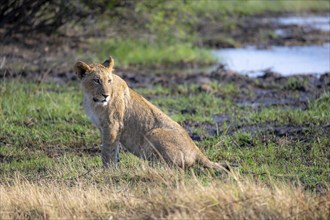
x: 125, y: 117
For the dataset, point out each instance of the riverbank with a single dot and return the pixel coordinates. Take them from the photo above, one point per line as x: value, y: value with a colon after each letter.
x: 151, y: 43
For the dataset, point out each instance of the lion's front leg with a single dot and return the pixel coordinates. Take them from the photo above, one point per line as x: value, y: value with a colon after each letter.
x: 110, y: 146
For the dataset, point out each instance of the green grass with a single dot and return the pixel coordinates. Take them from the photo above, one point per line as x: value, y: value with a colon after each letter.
x: 251, y: 7
x: 33, y: 114
x: 49, y: 153
x: 260, y: 153
x: 142, y: 52
x: 283, y: 158
x: 43, y: 128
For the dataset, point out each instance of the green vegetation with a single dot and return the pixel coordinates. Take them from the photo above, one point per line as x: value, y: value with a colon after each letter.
x: 252, y: 7
x: 142, y: 52
x: 166, y: 33
x: 295, y: 84
x: 43, y: 127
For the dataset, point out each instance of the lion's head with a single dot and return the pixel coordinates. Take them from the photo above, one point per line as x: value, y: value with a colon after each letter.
x: 96, y: 80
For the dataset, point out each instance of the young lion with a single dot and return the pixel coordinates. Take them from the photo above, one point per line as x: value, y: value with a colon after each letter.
x: 125, y: 117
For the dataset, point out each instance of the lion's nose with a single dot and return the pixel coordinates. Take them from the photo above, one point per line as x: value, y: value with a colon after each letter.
x: 105, y: 96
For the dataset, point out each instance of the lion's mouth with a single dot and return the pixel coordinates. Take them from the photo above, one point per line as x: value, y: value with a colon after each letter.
x: 104, y: 101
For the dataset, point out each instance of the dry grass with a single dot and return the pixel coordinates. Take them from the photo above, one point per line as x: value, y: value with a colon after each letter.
x: 158, y: 193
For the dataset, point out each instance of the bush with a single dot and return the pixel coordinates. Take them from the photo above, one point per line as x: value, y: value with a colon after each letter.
x: 47, y: 16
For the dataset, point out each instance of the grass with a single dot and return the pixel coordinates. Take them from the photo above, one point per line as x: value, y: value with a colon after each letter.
x: 252, y: 7
x: 46, y: 119
x: 142, y: 52
x: 171, y: 198
x: 50, y: 165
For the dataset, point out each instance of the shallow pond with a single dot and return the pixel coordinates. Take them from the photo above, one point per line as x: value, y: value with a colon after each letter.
x: 284, y: 60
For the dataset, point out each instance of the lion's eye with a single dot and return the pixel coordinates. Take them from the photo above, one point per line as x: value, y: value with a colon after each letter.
x: 98, y: 81
x: 109, y: 81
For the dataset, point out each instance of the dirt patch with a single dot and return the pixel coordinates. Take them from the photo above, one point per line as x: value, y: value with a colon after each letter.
x: 6, y: 159
x: 57, y: 151
x: 266, y: 131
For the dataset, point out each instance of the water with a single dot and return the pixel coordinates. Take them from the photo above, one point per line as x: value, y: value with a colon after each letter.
x: 284, y: 60
x: 281, y: 59
x: 316, y: 22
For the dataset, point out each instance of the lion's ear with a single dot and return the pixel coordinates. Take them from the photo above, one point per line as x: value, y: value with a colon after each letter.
x: 109, y: 63
x: 81, y: 68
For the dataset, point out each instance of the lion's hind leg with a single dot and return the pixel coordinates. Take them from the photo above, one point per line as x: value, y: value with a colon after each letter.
x: 168, y: 146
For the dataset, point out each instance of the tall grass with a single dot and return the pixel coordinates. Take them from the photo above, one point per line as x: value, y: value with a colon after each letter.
x: 167, y: 196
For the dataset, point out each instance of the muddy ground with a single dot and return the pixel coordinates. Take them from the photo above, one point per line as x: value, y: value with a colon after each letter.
x: 43, y: 58
x: 271, y: 89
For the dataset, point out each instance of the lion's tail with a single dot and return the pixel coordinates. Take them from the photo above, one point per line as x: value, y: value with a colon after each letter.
x: 212, y: 165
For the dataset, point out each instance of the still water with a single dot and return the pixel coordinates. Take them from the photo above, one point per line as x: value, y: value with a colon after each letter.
x: 316, y: 22
x: 284, y: 60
